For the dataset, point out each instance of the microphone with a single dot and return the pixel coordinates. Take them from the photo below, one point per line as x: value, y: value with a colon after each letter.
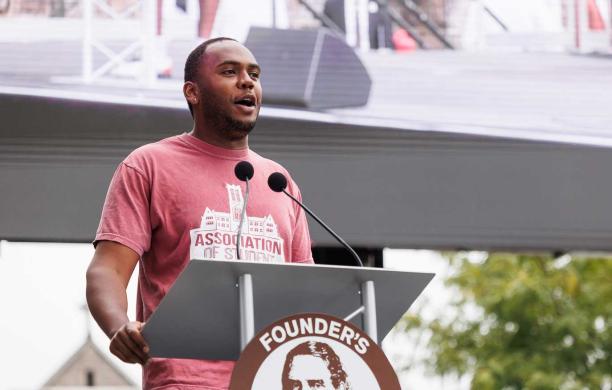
x: 278, y: 183
x: 244, y: 172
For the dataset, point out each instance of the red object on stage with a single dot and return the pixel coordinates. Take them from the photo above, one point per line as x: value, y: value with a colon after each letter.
x: 402, y: 41
x: 596, y: 21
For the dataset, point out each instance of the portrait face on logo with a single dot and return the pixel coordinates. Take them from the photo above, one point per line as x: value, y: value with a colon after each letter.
x: 313, y: 365
x: 313, y: 351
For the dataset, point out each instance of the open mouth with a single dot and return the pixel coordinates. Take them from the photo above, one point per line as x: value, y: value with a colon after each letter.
x: 246, y: 101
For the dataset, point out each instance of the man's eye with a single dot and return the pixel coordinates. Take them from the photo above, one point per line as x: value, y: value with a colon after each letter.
x: 316, y: 384
x: 254, y: 75
x: 296, y: 385
x: 228, y: 71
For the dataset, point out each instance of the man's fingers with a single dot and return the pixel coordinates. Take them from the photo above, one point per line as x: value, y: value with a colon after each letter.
x: 129, y: 345
x: 123, y: 353
x: 137, y: 338
x: 117, y: 352
x: 130, y: 349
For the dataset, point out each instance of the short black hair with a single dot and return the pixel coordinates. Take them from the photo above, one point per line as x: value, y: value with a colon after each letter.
x: 320, y: 350
x: 194, y: 59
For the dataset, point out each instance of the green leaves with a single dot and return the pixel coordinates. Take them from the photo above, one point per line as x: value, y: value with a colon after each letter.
x: 544, y: 322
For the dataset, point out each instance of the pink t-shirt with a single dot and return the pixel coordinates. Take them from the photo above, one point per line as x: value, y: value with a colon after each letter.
x: 178, y: 199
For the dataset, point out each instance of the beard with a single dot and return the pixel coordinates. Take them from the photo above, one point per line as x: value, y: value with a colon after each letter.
x: 220, y: 119
x: 235, y: 129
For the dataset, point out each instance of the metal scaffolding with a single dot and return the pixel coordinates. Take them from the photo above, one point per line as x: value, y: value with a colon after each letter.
x: 95, y: 10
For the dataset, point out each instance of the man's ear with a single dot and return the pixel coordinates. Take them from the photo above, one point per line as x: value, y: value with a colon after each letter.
x: 191, y: 92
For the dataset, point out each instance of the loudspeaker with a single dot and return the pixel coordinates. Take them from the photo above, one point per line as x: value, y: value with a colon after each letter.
x: 311, y: 69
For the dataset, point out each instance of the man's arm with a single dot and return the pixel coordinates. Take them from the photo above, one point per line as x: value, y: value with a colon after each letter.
x: 107, y: 279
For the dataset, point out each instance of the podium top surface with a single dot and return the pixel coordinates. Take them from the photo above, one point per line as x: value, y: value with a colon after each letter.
x: 199, y: 318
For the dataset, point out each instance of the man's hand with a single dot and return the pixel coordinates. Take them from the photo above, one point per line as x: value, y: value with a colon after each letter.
x: 128, y: 344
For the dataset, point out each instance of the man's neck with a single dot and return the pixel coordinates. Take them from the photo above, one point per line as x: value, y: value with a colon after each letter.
x: 214, y: 138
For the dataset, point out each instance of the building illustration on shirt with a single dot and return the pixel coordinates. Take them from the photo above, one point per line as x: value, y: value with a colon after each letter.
x: 215, y: 238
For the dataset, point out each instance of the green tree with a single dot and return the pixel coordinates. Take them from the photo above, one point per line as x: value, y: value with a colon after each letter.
x: 542, y: 323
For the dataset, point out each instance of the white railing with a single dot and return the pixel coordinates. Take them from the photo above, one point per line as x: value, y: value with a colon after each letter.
x: 357, y: 21
x: 144, y: 11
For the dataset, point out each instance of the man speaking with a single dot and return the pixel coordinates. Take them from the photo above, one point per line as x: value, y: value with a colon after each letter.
x: 178, y: 199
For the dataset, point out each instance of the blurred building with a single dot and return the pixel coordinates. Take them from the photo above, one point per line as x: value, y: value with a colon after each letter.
x: 89, y: 367
x: 86, y: 368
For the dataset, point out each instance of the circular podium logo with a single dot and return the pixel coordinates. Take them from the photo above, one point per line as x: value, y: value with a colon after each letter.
x: 313, y: 352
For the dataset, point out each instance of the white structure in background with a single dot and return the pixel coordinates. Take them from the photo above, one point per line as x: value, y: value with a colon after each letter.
x: 357, y: 21
x: 143, y: 43
x: 533, y: 25
x: 137, y: 22
x: 232, y: 20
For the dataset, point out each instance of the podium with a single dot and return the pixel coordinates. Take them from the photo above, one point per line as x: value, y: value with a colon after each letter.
x: 215, y: 307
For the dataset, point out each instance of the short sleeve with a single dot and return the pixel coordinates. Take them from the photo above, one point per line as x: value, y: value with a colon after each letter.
x: 125, y: 216
x: 301, y: 251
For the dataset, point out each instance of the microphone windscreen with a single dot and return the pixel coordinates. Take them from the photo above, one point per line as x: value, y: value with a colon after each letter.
x: 244, y: 170
x: 277, y: 182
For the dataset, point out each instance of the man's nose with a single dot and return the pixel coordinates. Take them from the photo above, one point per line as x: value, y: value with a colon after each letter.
x: 306, y: 386
x: 245, y: 80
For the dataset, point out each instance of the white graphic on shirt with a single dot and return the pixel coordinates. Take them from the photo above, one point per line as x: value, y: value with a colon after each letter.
x: 216, y: 237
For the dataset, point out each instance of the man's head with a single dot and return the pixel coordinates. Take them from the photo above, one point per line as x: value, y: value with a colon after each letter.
x: 222, y: 87
x: 313, y: 365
